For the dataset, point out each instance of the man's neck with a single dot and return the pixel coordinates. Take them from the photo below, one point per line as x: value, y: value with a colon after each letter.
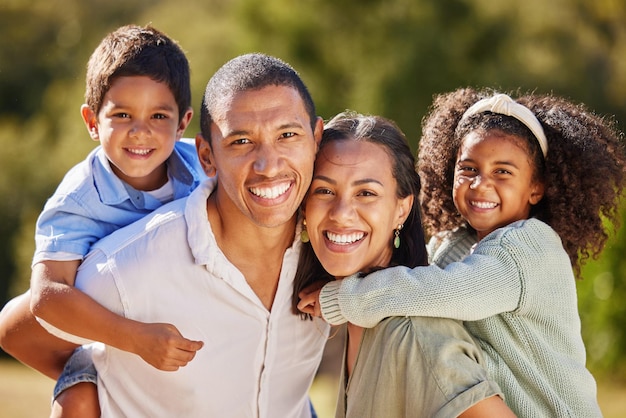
x: 256, y: 251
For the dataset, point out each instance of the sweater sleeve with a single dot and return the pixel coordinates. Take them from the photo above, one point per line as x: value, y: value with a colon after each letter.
x: 484, y: 284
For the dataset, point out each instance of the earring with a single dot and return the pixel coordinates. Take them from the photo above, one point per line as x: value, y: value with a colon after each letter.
x: 396, y: 239
x: 304, y: 235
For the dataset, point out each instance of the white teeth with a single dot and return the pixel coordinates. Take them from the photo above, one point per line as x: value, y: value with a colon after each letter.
x: 344, y: 239
x: 270, y: 192
x: 139, y: 151
x: 484, y: 205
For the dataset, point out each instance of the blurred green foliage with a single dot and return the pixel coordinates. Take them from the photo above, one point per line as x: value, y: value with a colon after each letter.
x: 387, y: 57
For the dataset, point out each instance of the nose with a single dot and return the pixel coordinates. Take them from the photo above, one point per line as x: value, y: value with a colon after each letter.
x: 342, y: 210
x: 268, y: 161
x: 139, y: 129
x: 478, y: 181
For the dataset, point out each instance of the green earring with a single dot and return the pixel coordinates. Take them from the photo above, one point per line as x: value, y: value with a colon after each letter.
x: 304, y: 235
x: 396, y: 239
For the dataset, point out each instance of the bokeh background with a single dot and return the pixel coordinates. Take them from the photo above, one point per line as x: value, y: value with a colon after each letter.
x: 383, y: 57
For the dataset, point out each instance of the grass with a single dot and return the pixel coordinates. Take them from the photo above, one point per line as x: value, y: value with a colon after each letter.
x: 25, y: 393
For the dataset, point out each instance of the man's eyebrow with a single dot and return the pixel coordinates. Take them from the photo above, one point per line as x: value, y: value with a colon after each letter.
x: 244, y: 132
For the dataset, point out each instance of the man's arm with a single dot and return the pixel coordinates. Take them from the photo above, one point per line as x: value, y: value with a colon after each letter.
x: 25, y: 339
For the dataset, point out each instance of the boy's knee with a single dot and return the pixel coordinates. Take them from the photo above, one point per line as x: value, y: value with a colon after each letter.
x: 78, y: 401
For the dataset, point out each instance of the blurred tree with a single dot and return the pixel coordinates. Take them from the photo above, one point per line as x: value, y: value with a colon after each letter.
x: 374, y: 57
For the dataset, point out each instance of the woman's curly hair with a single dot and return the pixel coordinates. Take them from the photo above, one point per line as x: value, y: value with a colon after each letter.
x: 583, y: 171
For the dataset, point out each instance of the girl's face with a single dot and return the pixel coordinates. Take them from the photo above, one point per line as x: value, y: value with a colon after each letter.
x: 352, y: 209
x: 493, y: 181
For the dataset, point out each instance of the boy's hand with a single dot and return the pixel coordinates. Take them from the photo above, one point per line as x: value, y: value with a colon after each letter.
x: 163, y: 346
x: 310, y: 299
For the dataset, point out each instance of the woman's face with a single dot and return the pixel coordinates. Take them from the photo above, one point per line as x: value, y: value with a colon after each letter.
x: 352, y: 209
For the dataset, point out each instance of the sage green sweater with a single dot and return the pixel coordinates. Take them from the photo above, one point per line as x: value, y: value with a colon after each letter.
x: 516, y: 293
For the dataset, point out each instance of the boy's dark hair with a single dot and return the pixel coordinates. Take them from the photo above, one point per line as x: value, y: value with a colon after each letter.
x: 351, y: 126
x: 249, y: 72
x: 138, y: 51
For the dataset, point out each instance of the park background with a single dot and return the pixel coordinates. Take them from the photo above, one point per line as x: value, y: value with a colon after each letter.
x: 381, y: 57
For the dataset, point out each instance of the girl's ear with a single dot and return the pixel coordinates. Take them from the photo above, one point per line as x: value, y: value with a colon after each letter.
x: 536, y: 193
x: 91, y: 121
x: 205, y: 154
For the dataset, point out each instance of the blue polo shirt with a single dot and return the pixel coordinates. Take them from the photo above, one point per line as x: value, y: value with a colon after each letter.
x: 91, y: 202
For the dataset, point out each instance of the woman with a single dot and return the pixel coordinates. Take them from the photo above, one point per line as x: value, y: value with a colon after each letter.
x: 361, y: 214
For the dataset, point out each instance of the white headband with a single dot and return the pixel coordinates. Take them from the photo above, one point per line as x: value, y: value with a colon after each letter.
x: 504, y: 105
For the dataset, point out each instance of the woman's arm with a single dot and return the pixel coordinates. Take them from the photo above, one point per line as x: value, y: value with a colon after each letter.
x: 490, y: 407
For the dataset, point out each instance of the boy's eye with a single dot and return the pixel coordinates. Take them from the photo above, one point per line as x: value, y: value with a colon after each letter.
x: 240, y: 141
x: 160, y: 116
x: 288, y: 135
x: 121, y: 115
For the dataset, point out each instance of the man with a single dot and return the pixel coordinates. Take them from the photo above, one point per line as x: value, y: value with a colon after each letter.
x: 219, y: 264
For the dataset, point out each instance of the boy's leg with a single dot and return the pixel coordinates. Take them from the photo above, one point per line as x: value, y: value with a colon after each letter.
x: 76, y: 394
x: 24, y: 338
x: 78, y: 401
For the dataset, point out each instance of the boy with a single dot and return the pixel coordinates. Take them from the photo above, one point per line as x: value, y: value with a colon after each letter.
x: 138, y: 106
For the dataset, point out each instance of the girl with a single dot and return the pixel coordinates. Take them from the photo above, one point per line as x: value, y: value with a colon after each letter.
x: 360, y: 215
x: 531, y: 181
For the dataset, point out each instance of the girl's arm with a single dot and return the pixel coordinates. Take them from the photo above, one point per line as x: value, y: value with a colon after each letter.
x: 509, y: 270
x: 57, y: 302
x: 480, y: 286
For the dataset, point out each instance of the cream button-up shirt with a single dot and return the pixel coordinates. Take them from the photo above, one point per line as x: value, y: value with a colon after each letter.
x: 167, y: 267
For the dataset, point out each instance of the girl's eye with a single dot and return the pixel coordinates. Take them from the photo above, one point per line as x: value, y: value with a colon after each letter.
x: 121, y: 115
x: 466, y: 169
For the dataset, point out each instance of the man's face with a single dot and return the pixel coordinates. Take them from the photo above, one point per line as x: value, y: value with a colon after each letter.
x: 263, y: 153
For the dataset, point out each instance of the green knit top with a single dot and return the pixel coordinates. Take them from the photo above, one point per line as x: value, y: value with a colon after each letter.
x: 516, y: 293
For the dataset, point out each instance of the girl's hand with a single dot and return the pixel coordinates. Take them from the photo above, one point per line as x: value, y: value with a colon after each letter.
x: 310, y: 299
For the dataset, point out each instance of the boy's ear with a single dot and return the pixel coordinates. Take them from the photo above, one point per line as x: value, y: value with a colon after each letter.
x: 205, y: 155
x: 91, y: 121
x: 184, y: 123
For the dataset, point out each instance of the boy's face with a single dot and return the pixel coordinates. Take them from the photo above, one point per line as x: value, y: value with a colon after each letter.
x: 137, y: 127
x: 263, y: 149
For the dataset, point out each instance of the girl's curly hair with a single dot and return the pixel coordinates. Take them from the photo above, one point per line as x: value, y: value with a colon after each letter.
x: 583, y: 172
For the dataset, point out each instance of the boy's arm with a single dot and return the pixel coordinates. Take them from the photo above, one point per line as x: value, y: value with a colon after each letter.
x: 56, y: 301
x: 22, y: 337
